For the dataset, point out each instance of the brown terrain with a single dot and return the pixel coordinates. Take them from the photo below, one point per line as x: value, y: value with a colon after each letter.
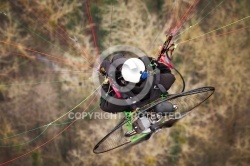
x: 47, y: 57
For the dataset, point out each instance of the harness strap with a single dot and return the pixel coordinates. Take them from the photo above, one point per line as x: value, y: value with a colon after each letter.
x: 161, y: 87
x: 131, y: 103
x: 157, y: 82
x: 130, y: 97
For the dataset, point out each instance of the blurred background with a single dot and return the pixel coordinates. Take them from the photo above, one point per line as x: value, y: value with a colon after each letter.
x: 48, y: 49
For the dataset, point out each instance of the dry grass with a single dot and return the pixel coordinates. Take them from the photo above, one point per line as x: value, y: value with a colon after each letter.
x: 216, y: 133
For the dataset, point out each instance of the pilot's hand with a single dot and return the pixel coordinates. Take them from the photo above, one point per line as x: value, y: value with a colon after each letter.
x: 106, y: 81
x: 104, y: 67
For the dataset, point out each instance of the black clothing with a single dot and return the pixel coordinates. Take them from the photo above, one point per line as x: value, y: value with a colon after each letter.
x: 162, y: 81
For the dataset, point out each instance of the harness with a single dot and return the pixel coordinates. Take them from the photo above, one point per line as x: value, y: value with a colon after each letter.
x: 131, y: 98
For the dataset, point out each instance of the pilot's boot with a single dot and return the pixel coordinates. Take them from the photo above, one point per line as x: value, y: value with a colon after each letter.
x: 165, y: 107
